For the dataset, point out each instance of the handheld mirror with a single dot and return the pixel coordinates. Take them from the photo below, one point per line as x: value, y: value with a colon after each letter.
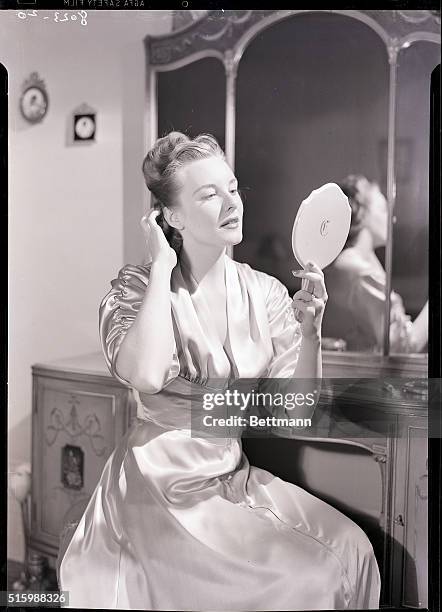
x: 320, y: 229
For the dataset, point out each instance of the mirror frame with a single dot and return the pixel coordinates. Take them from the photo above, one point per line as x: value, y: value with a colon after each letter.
x: 226, y: 34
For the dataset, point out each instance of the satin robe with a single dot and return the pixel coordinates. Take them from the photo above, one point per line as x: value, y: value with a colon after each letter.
x: 184, y: 523
x: 356, y: 307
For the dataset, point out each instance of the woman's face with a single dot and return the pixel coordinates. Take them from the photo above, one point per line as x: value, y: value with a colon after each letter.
x: 376, y: 217
x: 209, y: 207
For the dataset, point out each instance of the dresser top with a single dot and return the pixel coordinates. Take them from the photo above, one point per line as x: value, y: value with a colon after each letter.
x: 90, y: 363
x: 336, y: 364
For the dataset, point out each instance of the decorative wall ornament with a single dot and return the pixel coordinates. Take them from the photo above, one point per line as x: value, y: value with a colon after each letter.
x: 82, y: 125
x: 34, y: 101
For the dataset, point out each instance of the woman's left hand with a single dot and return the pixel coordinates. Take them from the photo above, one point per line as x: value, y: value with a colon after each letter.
x: 311, y: 305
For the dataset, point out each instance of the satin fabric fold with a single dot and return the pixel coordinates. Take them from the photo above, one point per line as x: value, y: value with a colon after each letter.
x: 179, y: 522
x: 356, y: 308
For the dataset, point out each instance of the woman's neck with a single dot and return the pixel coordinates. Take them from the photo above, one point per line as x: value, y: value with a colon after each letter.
x: 203, y: 263
x: 364, y: 245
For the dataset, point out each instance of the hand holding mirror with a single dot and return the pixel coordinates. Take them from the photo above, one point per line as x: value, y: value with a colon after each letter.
x: 320, y: 229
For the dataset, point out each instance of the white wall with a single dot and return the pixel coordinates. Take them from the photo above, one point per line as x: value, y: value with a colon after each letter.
x: 66, y: 203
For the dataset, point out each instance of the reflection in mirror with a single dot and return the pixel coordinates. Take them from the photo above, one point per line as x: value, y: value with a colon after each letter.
x: 192, y: 99
x: 410, y: 232
x: 356, y: 279
x: 312, y: 106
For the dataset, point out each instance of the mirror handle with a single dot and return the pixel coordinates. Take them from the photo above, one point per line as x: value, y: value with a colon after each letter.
x: 307, y: 285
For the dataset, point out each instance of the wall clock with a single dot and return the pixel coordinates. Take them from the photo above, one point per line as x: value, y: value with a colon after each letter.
x: 82, y: 125
x: 34, y: 101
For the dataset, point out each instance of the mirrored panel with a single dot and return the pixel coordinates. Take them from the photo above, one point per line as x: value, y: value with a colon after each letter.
x: 410, y: 231
x: 312, y: 108
x: 192, y: 99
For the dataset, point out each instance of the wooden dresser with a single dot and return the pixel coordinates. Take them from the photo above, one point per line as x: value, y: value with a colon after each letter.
x: 380, y: 481
x: 79, y: 414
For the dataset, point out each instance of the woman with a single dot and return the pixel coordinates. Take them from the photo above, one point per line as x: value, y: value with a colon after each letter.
x: 356, y: 281
x: 185, y: 523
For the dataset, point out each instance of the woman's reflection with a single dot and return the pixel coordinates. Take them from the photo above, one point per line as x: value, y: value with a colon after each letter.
x: 356, y: 281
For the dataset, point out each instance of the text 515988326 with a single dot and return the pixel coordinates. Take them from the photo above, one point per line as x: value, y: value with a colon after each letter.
x: 34, y: 598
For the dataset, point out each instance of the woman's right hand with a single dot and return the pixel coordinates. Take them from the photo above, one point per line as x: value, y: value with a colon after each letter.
x: 158, y: 247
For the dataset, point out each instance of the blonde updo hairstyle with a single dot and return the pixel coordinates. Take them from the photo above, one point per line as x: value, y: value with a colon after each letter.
x: 160, y: 166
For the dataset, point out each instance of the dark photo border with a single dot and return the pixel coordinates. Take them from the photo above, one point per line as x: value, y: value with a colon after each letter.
x: 435, y: 263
